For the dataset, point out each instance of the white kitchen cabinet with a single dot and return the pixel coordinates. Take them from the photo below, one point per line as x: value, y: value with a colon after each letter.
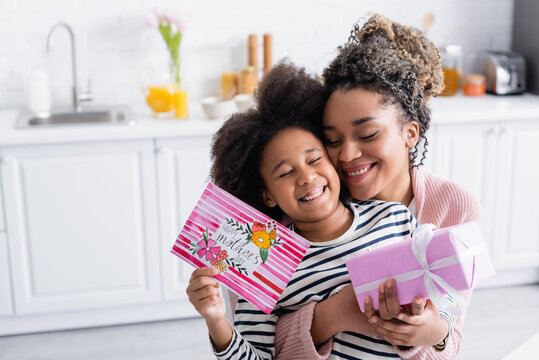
x: 466, y: 154
x: 183, y: 168
x: 518, y: 191
x: 6, y: 300
x: 82, y: 225
x: 497, y: 162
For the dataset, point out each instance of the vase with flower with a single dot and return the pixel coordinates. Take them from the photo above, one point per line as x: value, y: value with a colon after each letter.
x: 169, y: 97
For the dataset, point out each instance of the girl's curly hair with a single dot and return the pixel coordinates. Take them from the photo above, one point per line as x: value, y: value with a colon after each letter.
x: 396, y: 61
x: 286, y: 97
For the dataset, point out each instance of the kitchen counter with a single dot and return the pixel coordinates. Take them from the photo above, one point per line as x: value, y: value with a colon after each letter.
x: 453, y: 109
x: 147, y: 127
x: 460, y: 108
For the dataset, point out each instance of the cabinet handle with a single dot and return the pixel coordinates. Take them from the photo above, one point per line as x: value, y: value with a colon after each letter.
x: 505, y: 130
x: 495, y: 130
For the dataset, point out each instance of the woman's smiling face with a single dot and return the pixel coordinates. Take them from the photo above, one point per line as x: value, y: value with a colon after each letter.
x: 299, y: 177
x: 367, y: 145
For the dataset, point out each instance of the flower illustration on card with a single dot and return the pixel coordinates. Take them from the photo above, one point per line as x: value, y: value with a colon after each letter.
x: 206, y: 249
x: 221, y: 255
x: 264, y: 236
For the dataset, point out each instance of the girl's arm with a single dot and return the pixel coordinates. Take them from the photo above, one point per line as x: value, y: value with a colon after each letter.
x: 207, y: 297
x: 254, y: 334
x: 251, y: 338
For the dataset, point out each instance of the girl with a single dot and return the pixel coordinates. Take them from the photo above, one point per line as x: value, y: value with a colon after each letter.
x: 272, y: 158
x: 378, y: 88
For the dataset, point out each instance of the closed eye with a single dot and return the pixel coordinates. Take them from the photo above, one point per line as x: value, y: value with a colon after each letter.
x: 332, y: 142
x: 369, y: 136
x: 286, y: 173
x: 313, y: 161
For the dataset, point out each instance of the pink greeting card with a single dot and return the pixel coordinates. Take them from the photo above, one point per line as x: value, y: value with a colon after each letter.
x: 255, y: 255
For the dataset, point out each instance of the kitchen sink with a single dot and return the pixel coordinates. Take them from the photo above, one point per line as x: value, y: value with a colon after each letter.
x: 117, y: 115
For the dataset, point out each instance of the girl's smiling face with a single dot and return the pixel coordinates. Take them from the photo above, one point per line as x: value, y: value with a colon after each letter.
x: 299, y: 177
x: 368, y: 146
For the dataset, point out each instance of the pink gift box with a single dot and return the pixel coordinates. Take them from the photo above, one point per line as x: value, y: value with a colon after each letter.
x: 461, y: 246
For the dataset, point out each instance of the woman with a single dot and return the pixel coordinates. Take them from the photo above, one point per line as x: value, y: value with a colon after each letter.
x: 377, y: 112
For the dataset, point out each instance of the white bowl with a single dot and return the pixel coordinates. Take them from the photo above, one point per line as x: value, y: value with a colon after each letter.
x: 216, y: 108
x: 244, y: 101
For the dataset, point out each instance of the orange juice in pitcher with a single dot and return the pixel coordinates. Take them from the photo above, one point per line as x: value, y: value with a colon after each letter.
x: 160, y: 98
x: 167, y: 99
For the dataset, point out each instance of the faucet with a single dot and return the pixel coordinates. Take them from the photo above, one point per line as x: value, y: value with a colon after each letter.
x: 78, y: 98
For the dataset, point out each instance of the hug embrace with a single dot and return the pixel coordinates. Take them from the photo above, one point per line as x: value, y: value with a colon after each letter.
x: 339, y: 162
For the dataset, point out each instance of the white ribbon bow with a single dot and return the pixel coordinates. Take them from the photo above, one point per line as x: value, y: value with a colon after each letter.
x: 422, y: 237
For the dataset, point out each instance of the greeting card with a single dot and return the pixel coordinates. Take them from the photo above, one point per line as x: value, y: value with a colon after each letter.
x: 256, y: 256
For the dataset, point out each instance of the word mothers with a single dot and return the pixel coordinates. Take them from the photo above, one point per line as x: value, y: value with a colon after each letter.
x: 242, y: 252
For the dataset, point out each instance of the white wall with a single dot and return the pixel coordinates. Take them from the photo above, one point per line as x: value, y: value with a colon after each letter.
x: 114, y: 46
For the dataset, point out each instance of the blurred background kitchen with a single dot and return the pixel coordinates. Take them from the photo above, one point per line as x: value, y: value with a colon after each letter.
x: 90, y: 204
x: 113, y: 41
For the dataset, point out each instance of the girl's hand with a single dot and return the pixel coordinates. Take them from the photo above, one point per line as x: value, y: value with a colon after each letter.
x: 413, y: 330
x: 206, y: 295
x: 419, y: 324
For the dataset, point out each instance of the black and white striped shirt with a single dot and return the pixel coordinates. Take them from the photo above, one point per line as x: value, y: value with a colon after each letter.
x: 321, y: 274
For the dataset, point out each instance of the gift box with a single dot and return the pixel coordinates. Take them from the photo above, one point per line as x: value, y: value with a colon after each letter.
x: 255, y: 255
x: 430, y: 264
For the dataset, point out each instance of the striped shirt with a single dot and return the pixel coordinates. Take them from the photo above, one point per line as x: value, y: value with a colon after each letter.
x: 321, y: 274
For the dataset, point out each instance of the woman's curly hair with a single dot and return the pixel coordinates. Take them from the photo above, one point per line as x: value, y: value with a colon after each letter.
x: 394, y: 60
x: 286, y: 97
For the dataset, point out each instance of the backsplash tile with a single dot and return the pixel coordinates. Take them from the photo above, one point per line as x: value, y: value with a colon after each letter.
x: 115, y: 48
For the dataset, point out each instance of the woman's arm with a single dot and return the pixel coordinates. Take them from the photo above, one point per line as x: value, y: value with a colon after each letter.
x: 299, y: 333
x: 293, y: 336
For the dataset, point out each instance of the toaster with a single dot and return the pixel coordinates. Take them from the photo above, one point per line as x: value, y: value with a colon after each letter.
x: 505, y: 72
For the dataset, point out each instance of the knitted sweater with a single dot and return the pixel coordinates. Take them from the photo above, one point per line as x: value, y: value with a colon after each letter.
x: 439, y: 202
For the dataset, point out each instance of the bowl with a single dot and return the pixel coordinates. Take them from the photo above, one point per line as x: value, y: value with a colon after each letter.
x: 244, y: 101
x: 216, y: 108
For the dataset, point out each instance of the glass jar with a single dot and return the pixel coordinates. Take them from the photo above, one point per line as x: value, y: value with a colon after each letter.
x: 452, y: 68
x: 474, y: 85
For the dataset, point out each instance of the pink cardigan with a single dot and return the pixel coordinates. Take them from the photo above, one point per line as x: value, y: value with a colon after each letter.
x: 439, y: 202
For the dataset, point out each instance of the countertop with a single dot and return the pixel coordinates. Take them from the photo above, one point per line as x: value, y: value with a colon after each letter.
x: 455, y: 109
x: 146, y: 127
x: 465, y: 109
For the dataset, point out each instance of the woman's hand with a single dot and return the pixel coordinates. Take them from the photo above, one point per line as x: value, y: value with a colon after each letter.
x: 419, y: 324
